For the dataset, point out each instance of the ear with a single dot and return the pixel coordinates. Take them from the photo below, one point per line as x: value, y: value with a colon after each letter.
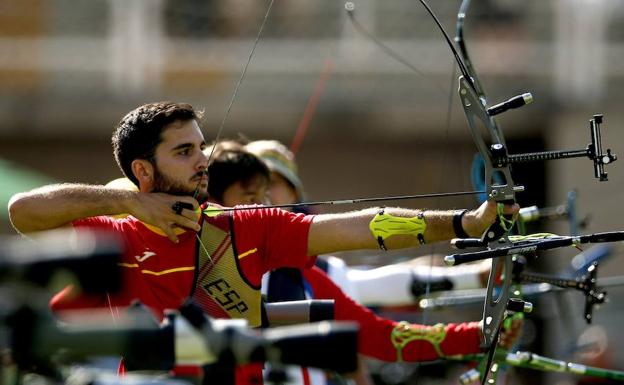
x: 143, y: 170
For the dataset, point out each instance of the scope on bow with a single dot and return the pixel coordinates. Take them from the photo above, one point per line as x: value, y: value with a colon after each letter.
x: 593, y: 152
x: 594, y: 149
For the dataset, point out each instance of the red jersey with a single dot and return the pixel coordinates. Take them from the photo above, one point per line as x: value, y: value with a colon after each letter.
x: 161, y: 274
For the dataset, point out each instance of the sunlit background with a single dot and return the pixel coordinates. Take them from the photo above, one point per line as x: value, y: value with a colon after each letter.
x: 369, y: 125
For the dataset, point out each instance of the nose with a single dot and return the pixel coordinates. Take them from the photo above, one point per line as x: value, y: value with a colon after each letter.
x: 202, y: 163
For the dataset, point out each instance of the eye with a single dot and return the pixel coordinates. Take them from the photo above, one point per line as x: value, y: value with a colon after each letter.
x: 184, y: 152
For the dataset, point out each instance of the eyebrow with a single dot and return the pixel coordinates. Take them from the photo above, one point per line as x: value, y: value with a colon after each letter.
x: 186, y: 145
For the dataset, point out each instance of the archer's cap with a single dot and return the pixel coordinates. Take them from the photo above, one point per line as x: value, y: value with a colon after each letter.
x: 279, y: 159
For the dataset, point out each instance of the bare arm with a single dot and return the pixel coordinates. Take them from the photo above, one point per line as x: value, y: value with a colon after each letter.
x: 350, y: 231
x: 58, y: 205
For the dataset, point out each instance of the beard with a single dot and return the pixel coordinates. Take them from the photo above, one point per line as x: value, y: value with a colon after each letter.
x: 167, y: 185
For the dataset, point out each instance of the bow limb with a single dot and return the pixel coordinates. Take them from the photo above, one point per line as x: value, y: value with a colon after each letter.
x: 459, y: 39
x: 473, y: 102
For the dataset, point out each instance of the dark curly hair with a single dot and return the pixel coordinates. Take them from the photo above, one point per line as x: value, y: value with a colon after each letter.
x: 139, y: 132
x: 231, y: 165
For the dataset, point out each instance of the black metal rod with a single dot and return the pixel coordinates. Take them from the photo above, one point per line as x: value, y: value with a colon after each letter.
x: 521, y: 249
x: 545, y: 155
x: 609, y: 236
x: 555, y: 281
x: 596, y: 145
x: 528, y: 247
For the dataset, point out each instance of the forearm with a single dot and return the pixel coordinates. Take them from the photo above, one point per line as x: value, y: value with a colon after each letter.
x: 391, y: 341
x: 468, y: 276
x: 396, y: 281
x: 351, y: 231
x: 54, y: 206
x: 416, y: 342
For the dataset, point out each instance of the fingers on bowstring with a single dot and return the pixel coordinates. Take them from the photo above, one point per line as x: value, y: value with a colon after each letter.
x: 187, y: 223
x: 189, y: 203
x: 179, y: 206
x: 186, y: 214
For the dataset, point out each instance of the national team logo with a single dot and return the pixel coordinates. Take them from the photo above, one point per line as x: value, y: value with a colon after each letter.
x: 146, y: 255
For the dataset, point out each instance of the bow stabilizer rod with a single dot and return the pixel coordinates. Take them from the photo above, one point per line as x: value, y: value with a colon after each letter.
x: 527, y: 246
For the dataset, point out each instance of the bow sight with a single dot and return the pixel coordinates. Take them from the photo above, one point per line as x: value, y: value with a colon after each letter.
x: 593, y: 152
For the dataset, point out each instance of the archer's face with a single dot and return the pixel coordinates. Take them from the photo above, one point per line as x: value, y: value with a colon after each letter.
x: 281, y: 192
x: 252, y: 192
x: 180, y: 161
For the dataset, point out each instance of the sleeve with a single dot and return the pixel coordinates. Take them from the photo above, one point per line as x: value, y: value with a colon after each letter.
x: 70, y: 299
x: 282, y: 235
x: 338, y: 272
x: 395, y: 279
x: 378, y: 336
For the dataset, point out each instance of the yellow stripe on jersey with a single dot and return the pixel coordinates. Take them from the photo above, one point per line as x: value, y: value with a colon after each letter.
x: 128, y: 264
x: 169, y: 271
x: 246, y: 253
x: 163, y: 272
x: 157, y: 230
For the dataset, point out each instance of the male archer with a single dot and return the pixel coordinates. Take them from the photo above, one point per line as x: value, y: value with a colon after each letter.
x: 217, y: 257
